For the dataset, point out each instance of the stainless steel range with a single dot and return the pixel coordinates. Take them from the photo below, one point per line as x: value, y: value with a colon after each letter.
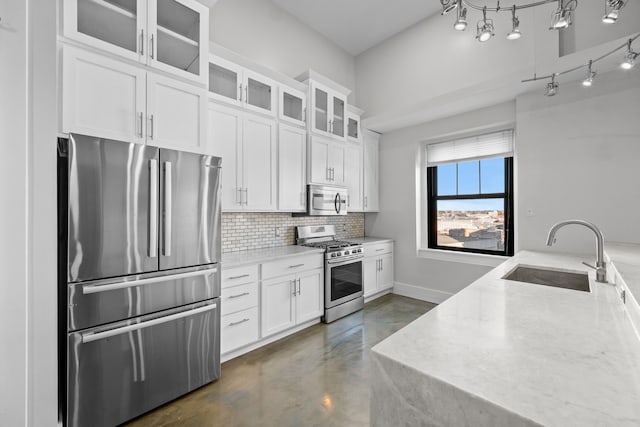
x: 343, y: 291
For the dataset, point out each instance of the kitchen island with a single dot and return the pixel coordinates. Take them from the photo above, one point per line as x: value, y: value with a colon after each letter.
x: 505, y: 353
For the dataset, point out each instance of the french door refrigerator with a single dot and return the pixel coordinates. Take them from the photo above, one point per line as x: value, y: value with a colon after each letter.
x: 139, y: 252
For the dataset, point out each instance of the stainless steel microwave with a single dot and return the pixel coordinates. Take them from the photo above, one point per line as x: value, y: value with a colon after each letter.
x: 326, y: 200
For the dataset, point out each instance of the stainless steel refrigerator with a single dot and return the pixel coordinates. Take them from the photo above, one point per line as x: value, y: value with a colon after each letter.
x: 139, y: 276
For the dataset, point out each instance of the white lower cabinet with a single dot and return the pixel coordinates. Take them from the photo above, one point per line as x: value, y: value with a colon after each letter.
x: 291, y: 300
x: 266, y: 301
x: 377, y: 268
x: 239, y: 302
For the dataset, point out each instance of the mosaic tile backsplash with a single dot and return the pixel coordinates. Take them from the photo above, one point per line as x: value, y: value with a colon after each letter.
x: 244, y: 231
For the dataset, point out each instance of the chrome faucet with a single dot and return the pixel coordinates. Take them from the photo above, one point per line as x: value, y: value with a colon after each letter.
x: 600, y: 267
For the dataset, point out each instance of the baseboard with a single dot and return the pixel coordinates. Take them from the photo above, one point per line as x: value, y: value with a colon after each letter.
x: 378, y: 295
x: 421, y: 293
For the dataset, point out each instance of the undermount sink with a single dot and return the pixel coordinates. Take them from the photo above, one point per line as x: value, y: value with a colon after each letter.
x: 547, y: 277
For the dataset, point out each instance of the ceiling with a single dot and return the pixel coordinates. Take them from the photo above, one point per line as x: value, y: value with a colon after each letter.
x: 357, y: 25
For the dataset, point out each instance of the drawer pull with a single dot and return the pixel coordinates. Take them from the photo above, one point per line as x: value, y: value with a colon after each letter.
x: 296, y: 266
x: 380, y: 250
x: 239, y: 277
x: 238, y: 322
x: 239, y: 295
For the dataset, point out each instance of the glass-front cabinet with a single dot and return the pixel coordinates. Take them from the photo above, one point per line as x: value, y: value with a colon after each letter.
x: 234, y: 84
x: 170, y: 35
x: 328, y: 114
x: 293, y: 106
x: 353, y: 124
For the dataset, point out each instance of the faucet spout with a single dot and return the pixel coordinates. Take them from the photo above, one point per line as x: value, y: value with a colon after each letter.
x: 600, y: 267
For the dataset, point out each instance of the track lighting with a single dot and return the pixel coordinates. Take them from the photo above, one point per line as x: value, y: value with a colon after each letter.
x: 612, y: 10
x: 552, y: 86
x: 588, y: 81
x: 629, y: 58
x: 484, y: 27
x: 448, y: 6
x: 461, y: 20
x: 561, y: 17
x: 514, y: 34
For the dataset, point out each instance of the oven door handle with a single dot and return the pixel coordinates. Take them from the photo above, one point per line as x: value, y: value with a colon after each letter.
x: 344, y: 261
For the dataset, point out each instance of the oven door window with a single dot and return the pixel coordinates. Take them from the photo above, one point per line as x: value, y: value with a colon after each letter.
x: 346, y: 280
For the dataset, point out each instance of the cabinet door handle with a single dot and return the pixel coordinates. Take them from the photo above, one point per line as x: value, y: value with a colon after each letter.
x: 333, y: 174
x: 239, y: 322
x: 151, y: 132
x: 142, y: 42
x: 239, y: 295
x: 246, y: 196
x: 299, y: 286
x: 151, y: 47
x: 240, y: 92
x: 293, y: 283
x: 141, y: 117
x: 246, y: 94
x: 238, y: 277
x: 365, y: 201
x: 381, y: 264
x: 304, y: 115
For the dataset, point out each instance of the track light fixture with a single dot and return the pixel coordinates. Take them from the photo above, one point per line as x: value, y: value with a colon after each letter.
x: 515, y: 33
x: 562, y: 16
x: 461, y: 20
x: 612, y: 10
x: 588, y: 80
x: 448, y: 6
x: 484, y: 27
x: 630, y: 57
x: 628, y: 63
x: 552, y: 86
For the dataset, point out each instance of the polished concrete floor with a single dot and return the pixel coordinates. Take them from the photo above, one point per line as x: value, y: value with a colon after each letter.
x: 317, y: 377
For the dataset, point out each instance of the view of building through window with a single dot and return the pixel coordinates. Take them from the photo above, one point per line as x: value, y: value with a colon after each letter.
x: 471, y: 224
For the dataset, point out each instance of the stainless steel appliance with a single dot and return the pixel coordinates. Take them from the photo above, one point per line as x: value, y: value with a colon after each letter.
x: 139, y: 279
x: 343, y: 291
x: 326, y: 200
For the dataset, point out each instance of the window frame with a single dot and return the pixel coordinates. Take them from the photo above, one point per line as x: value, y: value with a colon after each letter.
x: 432, y: 198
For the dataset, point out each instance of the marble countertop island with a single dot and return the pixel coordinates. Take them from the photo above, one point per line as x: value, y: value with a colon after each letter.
x: 505, y: 353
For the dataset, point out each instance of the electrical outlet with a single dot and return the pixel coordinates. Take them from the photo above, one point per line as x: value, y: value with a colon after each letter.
x: 277, y: 231
x: 344, y: 226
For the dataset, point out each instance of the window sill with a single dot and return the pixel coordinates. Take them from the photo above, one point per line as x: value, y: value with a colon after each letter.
x: 462, y: 257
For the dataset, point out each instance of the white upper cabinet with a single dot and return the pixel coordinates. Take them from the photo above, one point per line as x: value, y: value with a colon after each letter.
x: 371, y: 171
x: 292, y: 106
x: 353, y: 177
x: 170, y: 35
x: 326, y: 161
x: 292, y: 175
x: 106, y: 98
x: 248, y: 145
x: 353, y: 124
x: 234, y: 84
x: 328, y: 111
x: 102, y: 97
x: 175, y: 115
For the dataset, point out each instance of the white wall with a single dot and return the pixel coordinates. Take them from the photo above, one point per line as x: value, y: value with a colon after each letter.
x: 28, y: 354
x: 13, y: 215
x: 577, y: 157
x: 398, y: 191
x: 270, y: 36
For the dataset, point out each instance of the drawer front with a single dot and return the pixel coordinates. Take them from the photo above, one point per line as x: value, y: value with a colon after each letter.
x: 238, y: 329
x: 292, y: 265
x: 239, y: 298
x: 124, y: 369
x: 239, y: 275
x: 376, y: 249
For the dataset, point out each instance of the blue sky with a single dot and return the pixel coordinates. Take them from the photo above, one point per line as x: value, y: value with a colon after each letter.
x: 475, y: 177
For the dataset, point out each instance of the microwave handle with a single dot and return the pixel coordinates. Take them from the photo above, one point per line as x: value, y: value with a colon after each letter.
x: 337, y: 202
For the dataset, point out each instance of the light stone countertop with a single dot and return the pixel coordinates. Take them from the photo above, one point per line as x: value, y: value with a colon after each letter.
x: 624, y: 259
x: 367, y: 240
x: 237, y: 259
x: 503, y: 353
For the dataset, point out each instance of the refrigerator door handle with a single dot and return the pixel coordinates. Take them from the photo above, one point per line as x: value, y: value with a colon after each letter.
x: 153, y: 208
x: 95, y: 336
x: 94, y: 289
x: 166, y: 247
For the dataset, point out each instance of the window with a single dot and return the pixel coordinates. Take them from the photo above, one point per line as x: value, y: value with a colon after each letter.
x: 470, y: 194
